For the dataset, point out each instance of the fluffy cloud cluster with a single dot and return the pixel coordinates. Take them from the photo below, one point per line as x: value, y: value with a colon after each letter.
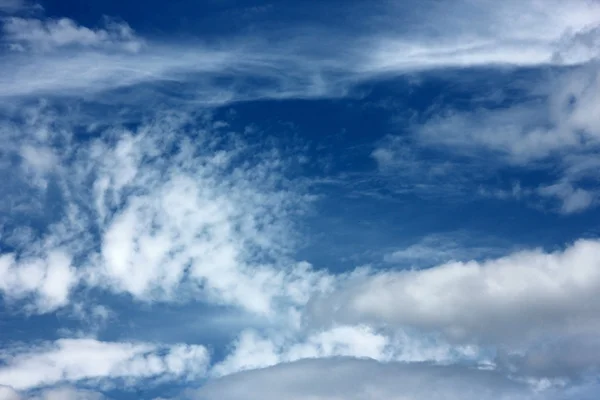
x: 48, y: 279
x: 512, y: 298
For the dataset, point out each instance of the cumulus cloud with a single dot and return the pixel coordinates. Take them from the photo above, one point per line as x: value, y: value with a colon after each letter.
x: 48, y: 278
x: 89, y: 360
x: 514, y: 300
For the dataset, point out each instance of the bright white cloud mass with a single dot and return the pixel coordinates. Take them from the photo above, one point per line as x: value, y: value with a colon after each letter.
x: 375, y: 200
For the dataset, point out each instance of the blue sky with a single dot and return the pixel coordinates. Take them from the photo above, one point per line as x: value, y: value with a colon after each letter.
x: 302, y: 200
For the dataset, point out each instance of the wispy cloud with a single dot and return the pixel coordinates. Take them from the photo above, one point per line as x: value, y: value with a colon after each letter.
x: 445, y: 247
x: 299, y: 62
x: 88, y: 360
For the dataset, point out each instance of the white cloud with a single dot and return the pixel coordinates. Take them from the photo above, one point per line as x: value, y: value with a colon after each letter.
x: 444, y: 247
x: 89, y: 360
x: 39, y: 159
x: 510, y: 32
x: 565, y: 122
x: 513, y: 300
x: 161, y: 215
x: 49, y: 278
x: 253, y: 351
x: 164, y: 216
x: 341, y: 378
x: 218, y: 228
x: 51, y: 34
x: 557, y: 133
x: 7, y: 393
x: 515, y: 33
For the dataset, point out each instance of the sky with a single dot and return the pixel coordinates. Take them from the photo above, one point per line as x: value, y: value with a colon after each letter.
x: 238, y: 200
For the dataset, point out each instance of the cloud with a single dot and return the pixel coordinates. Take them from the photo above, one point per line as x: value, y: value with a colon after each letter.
x: 11, y: 6
x: 553, y: 131
x: 513, y: 300
x: 46, y: 35
x: 65, y: 393
x: 163, y: 203
x: 521, y: 33
x: 162, y: 216
x: 253, y: 350
x: 570, y: 357
x: 298, y: 62
x: 444, y: 247
x: 7, y: 393
x: 48, y: 278
x: 341, y: 378
x: 89, y: 360
x: 563, y: 122
x: 573, y: 199
x: 406, y: 166
x: 211, y: 218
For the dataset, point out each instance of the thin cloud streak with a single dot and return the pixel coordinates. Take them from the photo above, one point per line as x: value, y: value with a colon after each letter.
x: 304, y: 66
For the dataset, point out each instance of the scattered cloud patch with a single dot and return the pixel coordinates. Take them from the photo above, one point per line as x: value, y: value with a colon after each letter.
x: 574, y: 200
x: 47, y: 35
x: 47, y: 278
x: 441, y: 248
x: 89, y: 360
